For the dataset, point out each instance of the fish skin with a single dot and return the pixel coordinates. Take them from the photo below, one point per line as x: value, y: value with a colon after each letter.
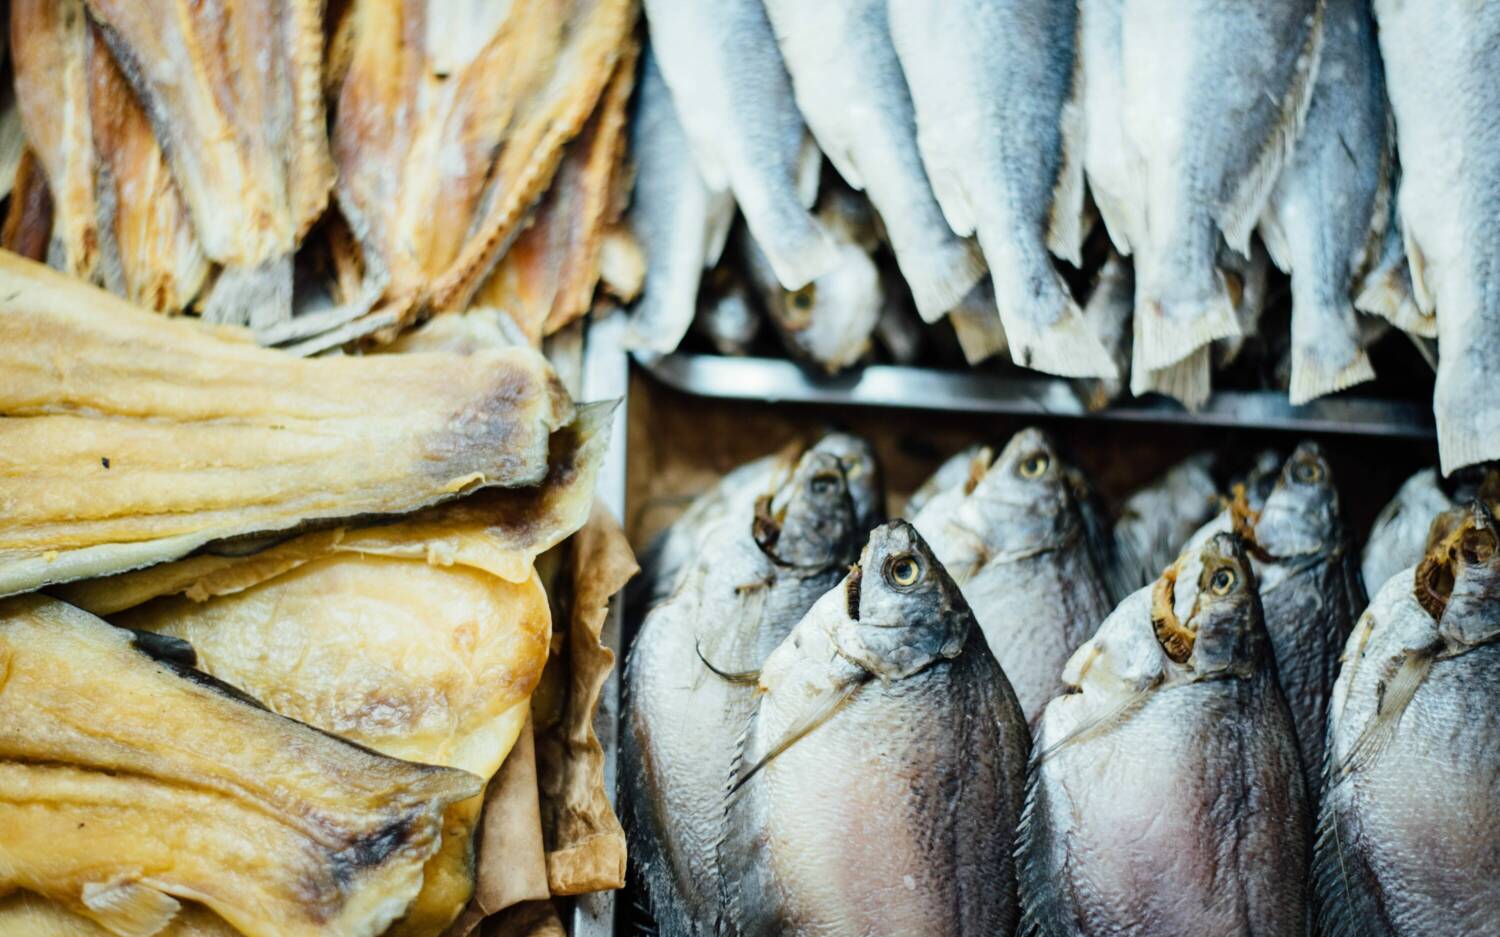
x: 1020, y: 549
x: 850, y: 88
x: 681, y: 223
x: 953, y: 480
x: 1166, y: 797
x: 1436, y: 58
x: 735, y: 102
x: 1326, y: 216
x: 1214, y: 97
x: 992, y: 80
x: 1109, y: 164
x: 1398, y: 537
x: 1306, y: 567
x: 1392, y: 859
x: 1157, y: 520
x: 895, y: 814
x: 752, y: 580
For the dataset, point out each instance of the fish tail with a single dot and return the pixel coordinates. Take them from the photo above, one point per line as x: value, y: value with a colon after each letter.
x: 795, y: 243
x: 259, y: 296
x: 1313, y: 376
x: 940, y: 277
x: 1180, y: 310
x: 1043, y: 325
x: 1468, y: 413
x: 976, y: 325
x: 1387, y: 292
x: 1188, y: 381
x: 1326, y: 353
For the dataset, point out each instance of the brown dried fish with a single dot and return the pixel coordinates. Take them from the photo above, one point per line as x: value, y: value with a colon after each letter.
x: 234, y: 92
x: 126, y: 440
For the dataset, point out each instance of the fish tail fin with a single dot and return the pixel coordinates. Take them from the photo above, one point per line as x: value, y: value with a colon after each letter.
x: 129, y: 909
x: 1238, y: 217
x: 941, y: 275
x: 1467, y: 406
x: 1314, y: 376
x: 1326, y: 354
x: 259, y: 296
x: 1179, y: 311
x: 1065, y: 222
x: 1188, y: 381
x: 1044, y: 327
x: 797, y: 246
x: 1387, y: 292
x: 976, y: 324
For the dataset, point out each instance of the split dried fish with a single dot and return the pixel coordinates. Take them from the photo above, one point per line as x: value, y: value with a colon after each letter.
x: 1414, y: 712
x: 131, y: 440
x: 1326, y: 216
x: 992, y: 81
x: 1440, y: 63
x: 1173, y: 746
x: 234, y: 92
x: 881, y: 774
x: 277, y: 828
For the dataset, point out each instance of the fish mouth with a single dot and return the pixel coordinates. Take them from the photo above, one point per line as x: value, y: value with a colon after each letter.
x: 766, y: 527
x: 1175, y: 638
x: 1466, y: 544
x: 851, y: 591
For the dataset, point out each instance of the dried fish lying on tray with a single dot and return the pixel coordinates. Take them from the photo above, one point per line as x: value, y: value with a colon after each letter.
x: 281, y: 830
x: 131, y: 440
x: 451, y: 123
x: 234, y: 93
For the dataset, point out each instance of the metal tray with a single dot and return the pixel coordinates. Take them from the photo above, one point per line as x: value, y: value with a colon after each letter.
x: 775, y: 380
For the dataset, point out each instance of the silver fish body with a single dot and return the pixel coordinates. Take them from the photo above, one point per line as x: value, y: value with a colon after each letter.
x: 734, y: 100
x: 751, y: 582
x: 681, y: 223
x: 1327, y: 214
x: 1017, y: 542
x: 1214, y: 97
x: 992, y: 82
x: 1166, y: 795
x: 881, y: 775
x: 1156, y: 521
x: 1410, y: 821
x: 850, y: 88
x: 1441, y: 61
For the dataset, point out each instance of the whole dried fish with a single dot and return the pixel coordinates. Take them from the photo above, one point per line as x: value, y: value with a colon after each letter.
x: 751, y: 582
x: 234, y: 92
x: 1166, y: 796
x: 1327, y: 213
x: 1214, y: 99
x: 1156, y: 522
x: 1398, y: 538
x: 1016, y: 542
x: 735, y: 102
x: 161, y: 436
x: 849, y: 86
x: 992, y: 80
x: 682, y: 224
x: 881, y: 773
x: 1440, y: 63
x: 128, y: 781
x: 1414, y: 712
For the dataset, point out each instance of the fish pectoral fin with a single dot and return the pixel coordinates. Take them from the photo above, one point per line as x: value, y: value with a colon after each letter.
x: 740, y: 677
x: 801, y: 728
x: 1397, y: 694
x: 1100, y: 723
x: 128, y: 908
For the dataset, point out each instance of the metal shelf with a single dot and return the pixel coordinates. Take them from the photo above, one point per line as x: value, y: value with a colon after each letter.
x: 773, y: 380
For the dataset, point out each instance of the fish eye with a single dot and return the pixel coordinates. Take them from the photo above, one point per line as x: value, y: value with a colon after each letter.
x: 802, y: 299
x: 1308, y: 473
x: 1034, y: 465
x: 1223, y: 581
x: 903, y: 571
x: 824, y: 483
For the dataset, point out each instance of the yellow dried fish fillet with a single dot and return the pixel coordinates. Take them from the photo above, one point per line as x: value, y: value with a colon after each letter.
x: 127, y: 440
x: 128, y: 781
x: 234, y: 93
x: 149, y: 251
x: 49, y: 41
x: 26, y: 915
x: 547, y: 278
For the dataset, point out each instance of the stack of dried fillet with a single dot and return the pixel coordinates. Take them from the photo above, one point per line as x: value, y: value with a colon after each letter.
x: 278, y: 658
x: 324, y: 173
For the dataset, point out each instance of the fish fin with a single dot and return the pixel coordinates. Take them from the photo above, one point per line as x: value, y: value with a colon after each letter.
x: 128, y: 909
x: 1238, y: 217
x: 1045, y: 329
x: 1118, y: 220
x: 1426, y: 347
x: 1397, y: 694
x: 800, y: 729
x: 719, y: 220
x: 1065, y: 227
x: 1041, y: 894
x: 1313, y: 376
x: 1416, y: 266
x: 940, y: 278
x: 810, y: 171
x: 740, y: 678
x: 1103, y: 722
x: 1387, y: 292
x: 260, y: 296
x: 1343, y: 895
x: 1274, y: 238
x: 976, y: 324
x: 1172, y: 323
x: 1189, y: 381
x: 952, y: 198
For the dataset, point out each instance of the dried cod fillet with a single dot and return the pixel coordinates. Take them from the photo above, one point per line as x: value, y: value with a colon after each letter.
x: 49, y: 39
x: 451, y: 123
x: 26, y: 915
x: 126, y: 440
x: 149, y: 250
x: 234, y: 92
x: 279, y: 829
x: 547, y: 279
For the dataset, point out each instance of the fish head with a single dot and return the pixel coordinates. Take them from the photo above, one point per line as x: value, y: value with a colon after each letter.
x: 1029, y: 497
x: 904, y: 612
x: 809, y: 522
x: 1205, y: 611
x: 1301, y: 515
x: 1458, y: 581
x: 862, y: 474
x: 831, y: 319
